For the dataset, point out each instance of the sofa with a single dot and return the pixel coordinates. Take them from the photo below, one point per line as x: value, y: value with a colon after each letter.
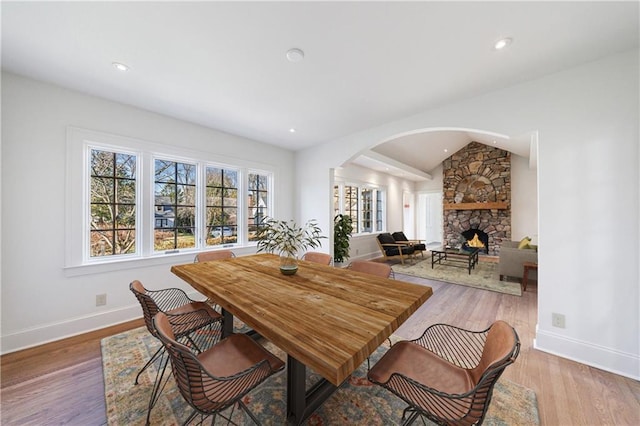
x: 512, y: 259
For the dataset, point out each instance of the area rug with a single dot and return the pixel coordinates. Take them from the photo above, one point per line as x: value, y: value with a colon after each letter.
x: 356, y: 402
x: 484, y: 276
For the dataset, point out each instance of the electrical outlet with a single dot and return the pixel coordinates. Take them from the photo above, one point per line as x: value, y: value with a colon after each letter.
x: 557, y: 320
x: 101, y: 299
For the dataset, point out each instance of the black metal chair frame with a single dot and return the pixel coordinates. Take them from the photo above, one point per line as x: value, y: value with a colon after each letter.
x: 187, y: 367
x: 460, y: 347
x: 196, y: 328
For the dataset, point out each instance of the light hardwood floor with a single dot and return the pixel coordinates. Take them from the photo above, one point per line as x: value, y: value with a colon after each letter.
x: 61, y: 383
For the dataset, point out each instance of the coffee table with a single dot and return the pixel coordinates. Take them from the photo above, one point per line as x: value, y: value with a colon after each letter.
x: 464, y: 258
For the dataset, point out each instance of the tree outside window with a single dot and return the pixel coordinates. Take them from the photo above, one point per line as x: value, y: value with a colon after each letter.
x: 258, y: 202
x: 222, y: 206
x: 113, y: 203
x: 175, y: 205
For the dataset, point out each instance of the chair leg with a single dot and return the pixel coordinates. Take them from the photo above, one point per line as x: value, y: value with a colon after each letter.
x: 191, y: 417
x: 412, y: 418
x: 158, y: 386
x: 246, y: 409
x: 153, y: 358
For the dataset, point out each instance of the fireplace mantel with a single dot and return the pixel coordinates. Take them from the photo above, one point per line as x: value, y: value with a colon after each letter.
x: 476, y: 206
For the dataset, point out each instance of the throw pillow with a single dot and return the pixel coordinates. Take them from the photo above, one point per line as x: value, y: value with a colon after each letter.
x: 524, y: 243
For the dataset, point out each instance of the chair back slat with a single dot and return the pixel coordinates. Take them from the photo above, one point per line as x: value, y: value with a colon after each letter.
x: 206, y: 256
x: 316, y: 257
x: 374, y: 268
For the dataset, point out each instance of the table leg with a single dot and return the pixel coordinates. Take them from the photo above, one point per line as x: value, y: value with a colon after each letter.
x: 227, y: 323
x: 227, y: 326
x: 301, y: 403
x: 437, y: 257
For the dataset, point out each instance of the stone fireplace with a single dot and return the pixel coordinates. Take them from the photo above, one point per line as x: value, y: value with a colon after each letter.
x: 477, y: 196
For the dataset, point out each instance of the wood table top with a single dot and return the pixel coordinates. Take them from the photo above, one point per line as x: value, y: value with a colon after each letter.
x: 330, y: 319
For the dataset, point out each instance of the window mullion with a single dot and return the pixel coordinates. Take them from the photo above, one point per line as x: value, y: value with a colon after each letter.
x: 147, y: 212
x: 242, y: 206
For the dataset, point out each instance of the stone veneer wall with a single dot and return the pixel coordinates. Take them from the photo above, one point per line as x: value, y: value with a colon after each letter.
x: 477, y: 173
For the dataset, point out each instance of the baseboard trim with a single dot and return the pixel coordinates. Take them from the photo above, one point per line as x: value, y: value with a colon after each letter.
x: 52, y: 332
x: 47, y: 333
x: 603, y: 358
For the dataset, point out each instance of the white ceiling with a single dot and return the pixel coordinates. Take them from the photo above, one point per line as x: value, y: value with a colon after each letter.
x: 223, y: 64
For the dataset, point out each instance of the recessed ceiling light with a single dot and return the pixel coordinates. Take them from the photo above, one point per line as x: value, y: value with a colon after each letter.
x: 295, y: 55
x: 494, y: 142
x: 120, y: 66
x: 292, y: 130
x: 502, y: 43
x: 446, y: 150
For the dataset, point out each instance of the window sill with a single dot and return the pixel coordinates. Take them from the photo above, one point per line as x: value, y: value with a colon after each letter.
x: 123, y: 264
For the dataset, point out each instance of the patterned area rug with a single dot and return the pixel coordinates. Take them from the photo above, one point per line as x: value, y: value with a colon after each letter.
x: 484, y: 276
x: 356, y: 402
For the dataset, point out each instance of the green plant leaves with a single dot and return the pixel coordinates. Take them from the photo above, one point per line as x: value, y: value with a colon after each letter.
x: 342, y: 229
x: 286, y: 237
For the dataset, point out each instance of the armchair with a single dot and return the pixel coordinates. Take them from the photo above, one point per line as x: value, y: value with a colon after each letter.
x: 391, y: 248
x: 512, y: 259
x: 418, y: 245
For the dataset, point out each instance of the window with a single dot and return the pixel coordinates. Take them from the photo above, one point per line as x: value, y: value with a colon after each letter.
x: 175, y: 205
x: 222, y: 206
x: 379, y: 211
x: 112, y: 203
x: 366, y: 210
x: 132, y: 200
x: 351, y: 205
x: 257, y: 203
x: 336, y: 200
x: 364, y: 204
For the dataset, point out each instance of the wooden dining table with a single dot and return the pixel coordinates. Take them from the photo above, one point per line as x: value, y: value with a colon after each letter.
x: 325, y: 318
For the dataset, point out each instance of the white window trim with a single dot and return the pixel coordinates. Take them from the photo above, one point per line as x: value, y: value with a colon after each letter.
x: 86, y: 215
x: 368, y: 186
x: 79, y: 141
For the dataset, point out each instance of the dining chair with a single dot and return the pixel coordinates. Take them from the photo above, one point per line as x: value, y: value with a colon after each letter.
x: 195, y: 323
x: 206, y: 256
x: 374, y: 268
x: 316, y: 257
x: 448, y: 374
x: 218, y: 378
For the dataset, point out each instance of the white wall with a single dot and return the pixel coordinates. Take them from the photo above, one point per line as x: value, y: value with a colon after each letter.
x: 40, y: 300
x: 587, y: 122
x: 524, y: 200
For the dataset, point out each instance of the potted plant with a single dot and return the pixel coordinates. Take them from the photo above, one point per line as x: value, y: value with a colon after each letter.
x: 286, y: 238
x: 342, y: 229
